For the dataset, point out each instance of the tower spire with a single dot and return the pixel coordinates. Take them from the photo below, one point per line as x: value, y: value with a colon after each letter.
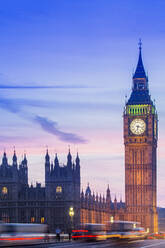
x: 140, y: 91
x: 140, y: 44
x: 4, y: 159
x: 14, y: 158
x: 56, y: 161
x: 140, y: 72
x: 69, y: 158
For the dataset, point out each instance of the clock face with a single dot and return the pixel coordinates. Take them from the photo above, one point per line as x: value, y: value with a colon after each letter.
x: 138, y: 126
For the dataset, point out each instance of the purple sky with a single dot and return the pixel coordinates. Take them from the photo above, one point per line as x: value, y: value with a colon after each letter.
x: 86, y: 51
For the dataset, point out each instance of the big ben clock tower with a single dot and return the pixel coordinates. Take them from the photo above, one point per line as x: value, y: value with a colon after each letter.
x: 140, y: 140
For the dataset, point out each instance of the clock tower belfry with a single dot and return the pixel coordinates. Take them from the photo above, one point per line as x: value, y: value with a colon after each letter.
x: 140, y: 140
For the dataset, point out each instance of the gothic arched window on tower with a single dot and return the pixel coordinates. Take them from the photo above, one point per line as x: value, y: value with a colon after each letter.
x: 58, y: 189
x: 4, y: 190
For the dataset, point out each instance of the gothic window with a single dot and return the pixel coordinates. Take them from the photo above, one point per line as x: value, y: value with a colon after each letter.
x: 42, y: 220
x: 32, y: 219
x: 58, y: 189
x: 4, y: 190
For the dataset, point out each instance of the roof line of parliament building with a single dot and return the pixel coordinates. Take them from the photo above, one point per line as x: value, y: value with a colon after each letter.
x: 52, y: 170
x: 50, y: 204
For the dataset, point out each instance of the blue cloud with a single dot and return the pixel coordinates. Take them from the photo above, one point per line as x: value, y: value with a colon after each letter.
x: 12, y: 86
x: 51, y: 127
x: 15, y: 106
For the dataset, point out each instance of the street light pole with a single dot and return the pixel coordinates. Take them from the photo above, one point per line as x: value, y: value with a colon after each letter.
x: 71, y: 214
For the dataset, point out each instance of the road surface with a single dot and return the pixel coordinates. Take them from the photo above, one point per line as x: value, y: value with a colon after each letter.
x: 105, y: 244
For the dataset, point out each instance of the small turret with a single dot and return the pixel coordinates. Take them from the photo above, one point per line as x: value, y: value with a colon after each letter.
x: 121, y: 203
x: 47, y: 166
x: 4, y: 160
x: 69, y: 159
x: 77, y: 160
x: 47, y: 158
x: 14, y: 160
x: 100, y: 198
x: 88, y: 191
x: 97, y: 197
x: 108, y: 196
x: 23, y: 171
x: 115, y: 203
x: 56, y: 166
x: 51, y: 167
x: 73, y: 166
x: 82, y: 194
x: 93, y: 196
x: 56, y: 162
x: 24, y: 162
x: 103, y: 199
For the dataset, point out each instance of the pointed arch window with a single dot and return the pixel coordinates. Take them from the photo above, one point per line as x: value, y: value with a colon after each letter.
x: 58, y: 189
x: 4, y: 190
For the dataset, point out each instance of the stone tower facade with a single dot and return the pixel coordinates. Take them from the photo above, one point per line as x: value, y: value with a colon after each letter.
x: 140, y: 140
x: 21, y: 203
x: 13, y: 185
x: 62, y: 192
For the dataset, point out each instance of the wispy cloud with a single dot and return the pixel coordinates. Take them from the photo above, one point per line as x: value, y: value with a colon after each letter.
x: 15, y: 106
x: 7, y: 86
x: 52, y: 127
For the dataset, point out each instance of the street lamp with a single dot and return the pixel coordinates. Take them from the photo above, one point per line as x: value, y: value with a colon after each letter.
x: 71, y: 214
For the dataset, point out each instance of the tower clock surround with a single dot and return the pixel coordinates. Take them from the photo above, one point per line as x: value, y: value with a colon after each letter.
x: 138, y: 126
x: 140, y: 141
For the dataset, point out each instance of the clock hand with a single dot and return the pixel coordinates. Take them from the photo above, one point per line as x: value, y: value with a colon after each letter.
x: 137, y: 127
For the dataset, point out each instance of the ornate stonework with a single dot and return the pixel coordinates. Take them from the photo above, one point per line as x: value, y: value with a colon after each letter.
x: 140, y: 140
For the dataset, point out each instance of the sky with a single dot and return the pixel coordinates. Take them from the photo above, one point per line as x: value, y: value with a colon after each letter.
x: 65, y: 69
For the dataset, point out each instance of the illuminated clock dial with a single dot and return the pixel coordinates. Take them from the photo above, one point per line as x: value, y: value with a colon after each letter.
x: 138, y: 126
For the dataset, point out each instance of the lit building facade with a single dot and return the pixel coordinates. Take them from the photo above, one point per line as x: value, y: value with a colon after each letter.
x: 51, y: 204
x: 140, y: 140
x: 100, y: 209
x: 59, y: 204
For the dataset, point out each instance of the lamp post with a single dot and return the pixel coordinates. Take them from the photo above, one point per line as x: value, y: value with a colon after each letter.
x: 71, y: 214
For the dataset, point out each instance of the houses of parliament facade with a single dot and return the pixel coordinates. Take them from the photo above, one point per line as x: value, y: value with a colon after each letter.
x: 62, y: 205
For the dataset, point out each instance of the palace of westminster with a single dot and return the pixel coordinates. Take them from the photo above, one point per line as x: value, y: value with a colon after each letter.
x: 20, y: 202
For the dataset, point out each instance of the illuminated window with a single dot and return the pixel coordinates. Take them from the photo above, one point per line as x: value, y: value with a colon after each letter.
x: 42, y: 220
x: 58, y: 189
x: 111, y: 219
x: 4, y: 190
x: 32, y: 219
